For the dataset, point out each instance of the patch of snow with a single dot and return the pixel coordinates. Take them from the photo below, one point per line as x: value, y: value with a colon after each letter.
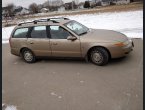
x: 16, y: 63
x: 11, y: 107
x: 59, y: 97
x: 6, y: 32
x: 136, y: 96
x: 54, y: 94
x: 53, y: 72
x: 78, y: 73
x: 129, y: 23
x: 81, y: 81
x: 127, y: 94
x: 98, y: 102
x: 25, y: 83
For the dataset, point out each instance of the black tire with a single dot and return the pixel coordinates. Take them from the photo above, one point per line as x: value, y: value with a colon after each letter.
x: 99, y: 56
x: 28, y: 56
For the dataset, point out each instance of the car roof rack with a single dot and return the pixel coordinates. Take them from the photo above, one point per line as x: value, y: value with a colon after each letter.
x: 54, y: 20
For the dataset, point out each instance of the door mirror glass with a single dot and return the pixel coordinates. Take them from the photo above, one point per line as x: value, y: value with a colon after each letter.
x: 71, y: 38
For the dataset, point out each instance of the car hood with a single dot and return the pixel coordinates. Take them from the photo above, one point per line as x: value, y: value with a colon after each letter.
x: 104, y: 35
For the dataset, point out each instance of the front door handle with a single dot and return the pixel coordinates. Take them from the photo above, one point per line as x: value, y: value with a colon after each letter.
x: 55, y: 43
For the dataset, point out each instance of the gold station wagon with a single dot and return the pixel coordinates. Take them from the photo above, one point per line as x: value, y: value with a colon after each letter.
x: 62, y: 37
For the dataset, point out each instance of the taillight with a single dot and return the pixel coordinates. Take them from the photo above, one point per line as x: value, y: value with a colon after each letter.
x: 10, y: 41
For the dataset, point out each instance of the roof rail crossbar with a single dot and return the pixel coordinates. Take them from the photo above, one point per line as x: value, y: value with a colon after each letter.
x: 27, y: 22
x: 59, y: 18
x: 45, y: 20
x: 54, y: 20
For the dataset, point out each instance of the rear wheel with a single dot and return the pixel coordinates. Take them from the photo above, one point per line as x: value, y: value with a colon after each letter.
x: 28, y: 56
x: 99, y: 56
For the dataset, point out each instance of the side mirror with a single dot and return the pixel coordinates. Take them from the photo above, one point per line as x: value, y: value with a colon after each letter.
x: 71, y: 38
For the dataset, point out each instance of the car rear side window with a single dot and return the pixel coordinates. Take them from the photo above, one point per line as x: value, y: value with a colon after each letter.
x: 20, y: 33
x: 39, y: 32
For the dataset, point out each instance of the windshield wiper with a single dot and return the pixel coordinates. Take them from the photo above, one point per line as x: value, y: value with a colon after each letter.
x: 83, y: 33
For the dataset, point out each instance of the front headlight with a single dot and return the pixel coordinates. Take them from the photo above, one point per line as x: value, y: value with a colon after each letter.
x: 126, y: 42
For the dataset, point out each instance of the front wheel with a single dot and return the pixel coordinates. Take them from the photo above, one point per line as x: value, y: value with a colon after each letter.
x: 99, y: 56
x: 28, y: 56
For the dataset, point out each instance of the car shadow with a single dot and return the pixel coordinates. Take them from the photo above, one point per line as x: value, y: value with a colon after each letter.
x: 80, y: 61
x: 61, y: 60
x: 117, y: 60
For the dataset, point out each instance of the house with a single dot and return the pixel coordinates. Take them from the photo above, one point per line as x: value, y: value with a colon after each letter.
x: 92, y: 4
x: 21, y: 11
x: 5, y: 11
x: 81, y: 5
x: 70, y: 5
x: 61, y: 9
x: 44, y: 10
x: 119, y: 2
x: 105, y: 2
x: 24, y: 11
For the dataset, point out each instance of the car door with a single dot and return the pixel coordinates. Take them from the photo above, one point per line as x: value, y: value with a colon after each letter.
x: 39, y: 42
x: 60, y: 46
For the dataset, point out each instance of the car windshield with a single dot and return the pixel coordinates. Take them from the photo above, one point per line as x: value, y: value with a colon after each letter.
x: 77, y: 28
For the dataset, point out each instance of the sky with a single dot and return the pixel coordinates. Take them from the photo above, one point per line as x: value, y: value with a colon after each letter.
x: 26, y: 3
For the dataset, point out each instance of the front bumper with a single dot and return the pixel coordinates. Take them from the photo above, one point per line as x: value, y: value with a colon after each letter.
x: 117, y: 52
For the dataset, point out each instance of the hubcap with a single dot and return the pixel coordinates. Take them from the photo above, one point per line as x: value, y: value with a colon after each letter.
x: 97, y: 57
x: 28, y: 56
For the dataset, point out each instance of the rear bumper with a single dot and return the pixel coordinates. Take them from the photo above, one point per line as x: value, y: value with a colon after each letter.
x: 15, y: 52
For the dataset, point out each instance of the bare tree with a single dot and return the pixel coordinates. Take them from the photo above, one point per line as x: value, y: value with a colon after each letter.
x: 34, y: 8
x: 10, y: 9
x: 87, y: 4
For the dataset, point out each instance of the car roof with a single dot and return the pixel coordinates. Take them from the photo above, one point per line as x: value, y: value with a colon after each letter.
x: 48, y: 21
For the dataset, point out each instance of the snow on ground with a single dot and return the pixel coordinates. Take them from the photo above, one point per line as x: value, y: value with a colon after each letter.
x: 6, y: 32
x: 129, y: 23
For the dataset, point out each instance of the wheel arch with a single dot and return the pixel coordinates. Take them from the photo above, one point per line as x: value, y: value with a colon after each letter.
x: 90, y: 49
x: 25, y: 48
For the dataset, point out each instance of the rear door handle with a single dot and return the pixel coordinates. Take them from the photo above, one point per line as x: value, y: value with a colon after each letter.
x: 31, y: 43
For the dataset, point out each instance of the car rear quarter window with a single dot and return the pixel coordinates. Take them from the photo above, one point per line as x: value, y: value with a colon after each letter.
x: 39, y: 32
x: 20, y: 33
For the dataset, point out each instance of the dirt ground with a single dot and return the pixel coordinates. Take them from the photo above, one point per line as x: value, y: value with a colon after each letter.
x: 73, y: 84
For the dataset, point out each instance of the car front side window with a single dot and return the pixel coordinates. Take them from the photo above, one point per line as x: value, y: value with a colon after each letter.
x: 57, y: 32
x: 77, y: 28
